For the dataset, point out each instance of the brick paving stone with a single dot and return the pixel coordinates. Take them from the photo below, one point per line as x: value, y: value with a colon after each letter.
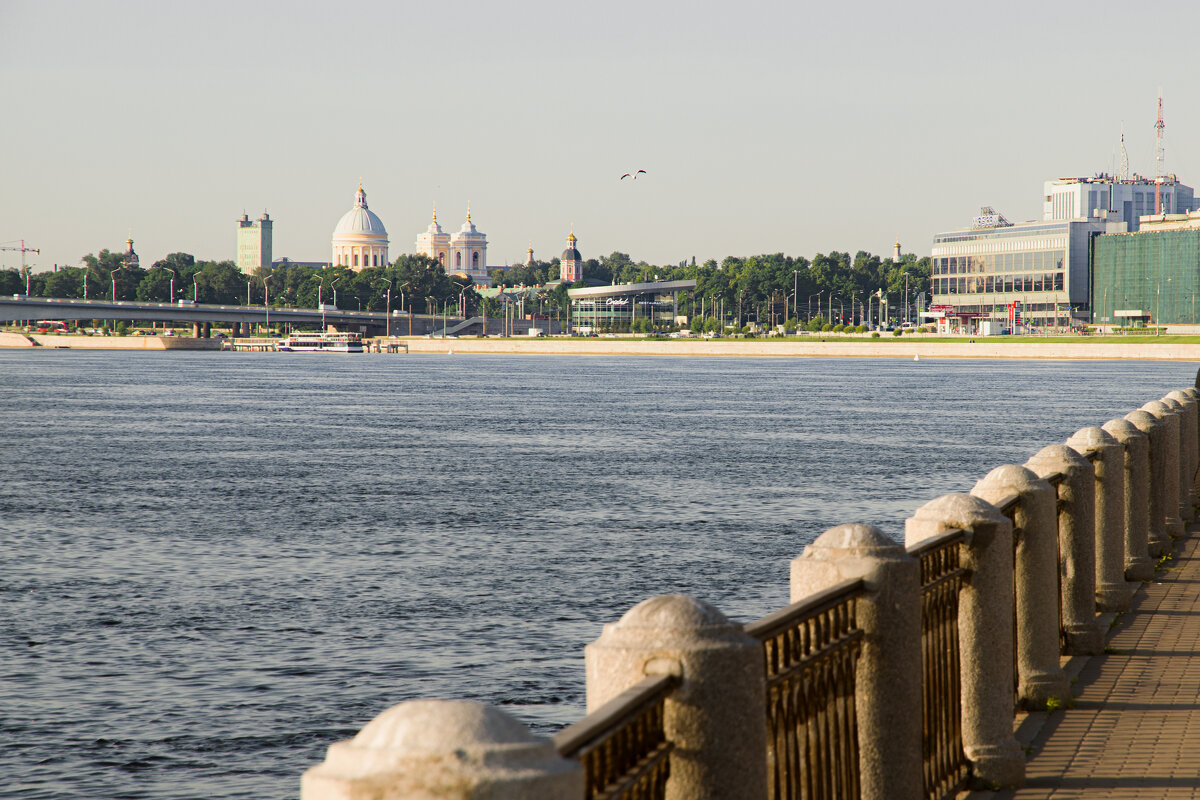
x: 1134, y: 731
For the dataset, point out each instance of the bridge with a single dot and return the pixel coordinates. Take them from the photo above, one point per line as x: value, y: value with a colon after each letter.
x: 22, y: 307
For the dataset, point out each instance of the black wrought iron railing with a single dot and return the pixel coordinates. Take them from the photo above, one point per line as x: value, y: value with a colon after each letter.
x: 811, y: 651
x: 945, y: 765
x: 623, y: 745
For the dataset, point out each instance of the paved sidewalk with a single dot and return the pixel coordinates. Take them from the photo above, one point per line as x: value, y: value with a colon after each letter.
x: 1135, y: 729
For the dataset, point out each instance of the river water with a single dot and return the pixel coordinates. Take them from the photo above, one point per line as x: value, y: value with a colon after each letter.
x: 216, y: 564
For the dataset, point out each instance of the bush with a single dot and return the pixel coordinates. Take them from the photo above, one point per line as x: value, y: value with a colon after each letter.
x: 122, y: 328
x: 875, y: 334
x: 861, y: 329
x: 898, y: 332
x: 826, y: 328
x: 839, y: 328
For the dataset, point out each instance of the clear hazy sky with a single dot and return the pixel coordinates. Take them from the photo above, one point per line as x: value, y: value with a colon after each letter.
x: 764, y: 126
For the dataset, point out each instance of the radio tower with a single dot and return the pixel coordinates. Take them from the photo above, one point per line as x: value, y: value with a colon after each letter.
x: 1124, y: 176
x: 1158, y: 156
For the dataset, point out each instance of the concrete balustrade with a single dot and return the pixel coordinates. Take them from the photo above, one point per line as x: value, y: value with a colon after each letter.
x: 986, y: 631
x: 1158, y: 540
x: 1171, y: 472
x: 888, y: 694
x: 1040, y: 677
x: 1179, y: 410
x: 1108, y: 468
x: 1189, y: 456
x: 443, y: 749
x: 717, y: 716
x: 1068, y: 551
x: 1076, y: 545
x: 1136, y: 457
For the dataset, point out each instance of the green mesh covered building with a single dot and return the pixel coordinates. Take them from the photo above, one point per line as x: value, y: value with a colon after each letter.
x: 1150, y: 277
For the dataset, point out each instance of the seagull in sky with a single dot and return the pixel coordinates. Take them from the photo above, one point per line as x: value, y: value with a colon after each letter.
x: 633, y: 174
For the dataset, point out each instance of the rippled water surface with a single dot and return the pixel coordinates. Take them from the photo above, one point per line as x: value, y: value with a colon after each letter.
x: 216, y: 564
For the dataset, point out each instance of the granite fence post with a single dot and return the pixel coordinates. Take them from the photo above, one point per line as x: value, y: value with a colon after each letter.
x: 1158, y: 541
x: 1076, y: 545
x: 986, y: 631
x: 451, y: 749
x: 1138, y: 564
x: 1040, y: 676
x: 1195, y: 482
x: 1112, y: 592
x: 1188, y: 454
x: 716, y: 717
x: 1171, y: 473
x: 888, y: 693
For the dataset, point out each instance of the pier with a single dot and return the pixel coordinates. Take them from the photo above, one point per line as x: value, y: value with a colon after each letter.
x: 1032, y: 638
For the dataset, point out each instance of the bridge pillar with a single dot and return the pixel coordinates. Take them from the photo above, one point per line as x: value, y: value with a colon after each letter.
x: 1157, y: 539
x: 1138, y: 564
x: 985, y: 625
x: 717, y: 715
x: 1076, y: 545
x: 197, y: 330
x: 1040, y: 676
x: 888, y: 691
x: 207, y: 330
x: 453, y: 749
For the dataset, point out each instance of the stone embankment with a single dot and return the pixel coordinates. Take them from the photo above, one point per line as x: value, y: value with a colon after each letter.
x: 893, y: 674
x: 907, y: 348
x: 67, y: 341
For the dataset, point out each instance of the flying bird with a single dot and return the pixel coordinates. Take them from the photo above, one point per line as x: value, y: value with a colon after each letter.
x: 633, y: 174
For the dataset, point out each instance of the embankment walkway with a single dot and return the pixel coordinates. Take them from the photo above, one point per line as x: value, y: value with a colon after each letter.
x: 1134, y: 731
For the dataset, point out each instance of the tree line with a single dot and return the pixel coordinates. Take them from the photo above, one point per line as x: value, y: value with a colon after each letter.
x: 836, y: 286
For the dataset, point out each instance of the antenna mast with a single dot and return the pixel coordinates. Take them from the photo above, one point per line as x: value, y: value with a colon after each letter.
x: 1158, y: 155
x: 1124, y: 157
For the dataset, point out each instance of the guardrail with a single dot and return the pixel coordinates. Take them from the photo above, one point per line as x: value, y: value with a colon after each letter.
x: 811, y: 649
x: 623, y: 745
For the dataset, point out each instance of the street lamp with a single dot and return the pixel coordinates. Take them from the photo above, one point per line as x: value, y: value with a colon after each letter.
x: 810, y: 297
x: 795, y: 291
x: 171, y: 299
x: 195, y: 290
x: 333, y: 286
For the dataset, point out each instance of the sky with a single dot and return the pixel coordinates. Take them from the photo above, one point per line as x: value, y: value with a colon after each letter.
x: 764, y: 127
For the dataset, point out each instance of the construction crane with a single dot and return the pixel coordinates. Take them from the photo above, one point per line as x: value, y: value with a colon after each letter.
x: 23, y: 250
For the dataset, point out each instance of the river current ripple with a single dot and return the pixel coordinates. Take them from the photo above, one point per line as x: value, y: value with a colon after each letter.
x: 217, y: 564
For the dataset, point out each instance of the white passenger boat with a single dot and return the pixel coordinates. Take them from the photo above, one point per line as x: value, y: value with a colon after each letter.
x: 321, y: 343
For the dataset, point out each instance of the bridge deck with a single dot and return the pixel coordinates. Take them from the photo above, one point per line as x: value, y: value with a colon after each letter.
x: 1135, y: 729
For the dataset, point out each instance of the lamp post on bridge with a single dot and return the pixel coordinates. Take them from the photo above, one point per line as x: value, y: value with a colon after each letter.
x: 810, y: 297
x: 171, y: 299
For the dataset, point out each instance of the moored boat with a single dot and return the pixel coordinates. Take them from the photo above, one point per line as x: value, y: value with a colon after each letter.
x: 321, y: 343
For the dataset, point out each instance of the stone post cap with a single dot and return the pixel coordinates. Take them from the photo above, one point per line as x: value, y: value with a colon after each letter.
x: 1092, y: 438
x: 1122, y: 430
x: 1157, y: 408
x: 1172, y: 403
x: 672, y: 621
x: 1143, y: 420
x: 854, y: 540
x: 1010, y: 478
x: 1183, y: 396
x: 959, y: 511
x: 436, y: 748
x: 1190, y: 392
x: 1057, y: 457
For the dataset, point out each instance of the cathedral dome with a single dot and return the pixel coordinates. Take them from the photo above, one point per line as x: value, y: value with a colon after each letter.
x: 360, y: 220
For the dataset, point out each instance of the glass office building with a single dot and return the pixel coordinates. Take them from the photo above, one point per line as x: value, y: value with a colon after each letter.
x: 1039, y: 270
x: 1150, y: 277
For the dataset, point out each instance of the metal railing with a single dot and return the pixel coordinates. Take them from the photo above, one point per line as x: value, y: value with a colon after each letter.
x: 623, y: 745
x: 811, y: 652
x: 945, y: 765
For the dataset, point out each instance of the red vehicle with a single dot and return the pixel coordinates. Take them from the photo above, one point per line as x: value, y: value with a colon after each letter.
x: 51, y: 326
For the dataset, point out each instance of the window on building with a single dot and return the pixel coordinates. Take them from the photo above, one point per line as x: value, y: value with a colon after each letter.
x: 475, y: 259
x: 458, y: 260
